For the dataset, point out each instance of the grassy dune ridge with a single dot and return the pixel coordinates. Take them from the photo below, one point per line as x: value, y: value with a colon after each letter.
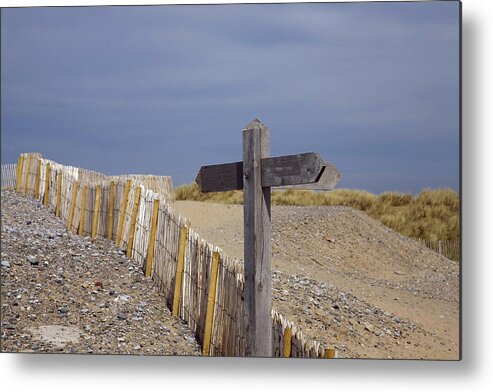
x: 432, y: 215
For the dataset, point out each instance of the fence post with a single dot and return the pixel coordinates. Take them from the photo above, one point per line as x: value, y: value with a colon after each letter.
x: 38, y: 178
x: 83, y: 210
x: 20, y: 165
x: 209, y: 318
x: 257, y: 245
x: 72, y: 206
x: 152, y: 239
x: 28, y: 167
x: 179, y: 270
x: 440, y: 247
x: 95, y: 217
x: 122, y: 212
x: 111, y: 209
x: 47, y: 184
x: 135, y: 211
x: 59, y: 177
x: 287, y: 342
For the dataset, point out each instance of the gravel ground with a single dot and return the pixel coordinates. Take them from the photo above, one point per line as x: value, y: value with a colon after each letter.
x: 65, y: 293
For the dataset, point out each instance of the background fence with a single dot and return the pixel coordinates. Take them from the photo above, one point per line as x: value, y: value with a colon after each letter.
x: 448, y: 248
x: 8, y: 175
x: 200, y: 283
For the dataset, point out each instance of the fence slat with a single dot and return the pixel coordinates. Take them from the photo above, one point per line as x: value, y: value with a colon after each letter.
x: 47, y: 184
x: 330, y: 353
x: 38, y: 178
x: 152, y: 239
x: 210, y: 303
x: 95, y: 217
x: 28, y: 168
x: 287, y: 342
x: 83, y: 210
x: 19, y: 175
x: 111, y: 209
x: 121, y: 219
x: 132, y: 222
x: 72, y: 205
x: 58, y: 193
x: 179, y: 270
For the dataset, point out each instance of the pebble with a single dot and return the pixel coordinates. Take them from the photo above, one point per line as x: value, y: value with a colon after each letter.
x: 164, y: 329
x: 369, y: 327
x: 63, y: 310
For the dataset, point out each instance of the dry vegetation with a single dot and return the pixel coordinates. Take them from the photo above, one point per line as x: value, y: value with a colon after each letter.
x: 432, y: 215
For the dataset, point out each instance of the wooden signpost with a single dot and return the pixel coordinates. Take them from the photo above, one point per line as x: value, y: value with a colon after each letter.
x: 256, y: 174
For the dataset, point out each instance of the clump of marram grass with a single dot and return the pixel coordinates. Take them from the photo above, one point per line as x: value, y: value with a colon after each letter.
x: 395, y: 199
x: 189, y: 192
x: 355, y: 198
x: 432, y: 215
x: 192, y: 192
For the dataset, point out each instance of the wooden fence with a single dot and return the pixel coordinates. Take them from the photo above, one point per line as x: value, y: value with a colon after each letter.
x: 8, y: 175
x: 448, y: 248
x: 200, y: 283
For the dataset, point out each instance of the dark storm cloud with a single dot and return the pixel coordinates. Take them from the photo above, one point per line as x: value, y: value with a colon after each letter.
x: 373, y: 87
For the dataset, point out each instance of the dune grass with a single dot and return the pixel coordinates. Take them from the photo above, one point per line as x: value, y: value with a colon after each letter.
x: 432, y: 215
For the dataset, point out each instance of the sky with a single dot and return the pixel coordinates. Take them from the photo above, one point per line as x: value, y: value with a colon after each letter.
x: 372, y: 87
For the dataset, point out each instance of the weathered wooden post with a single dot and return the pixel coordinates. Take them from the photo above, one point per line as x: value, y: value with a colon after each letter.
x: 257, y: 242
x: 256, y: 174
